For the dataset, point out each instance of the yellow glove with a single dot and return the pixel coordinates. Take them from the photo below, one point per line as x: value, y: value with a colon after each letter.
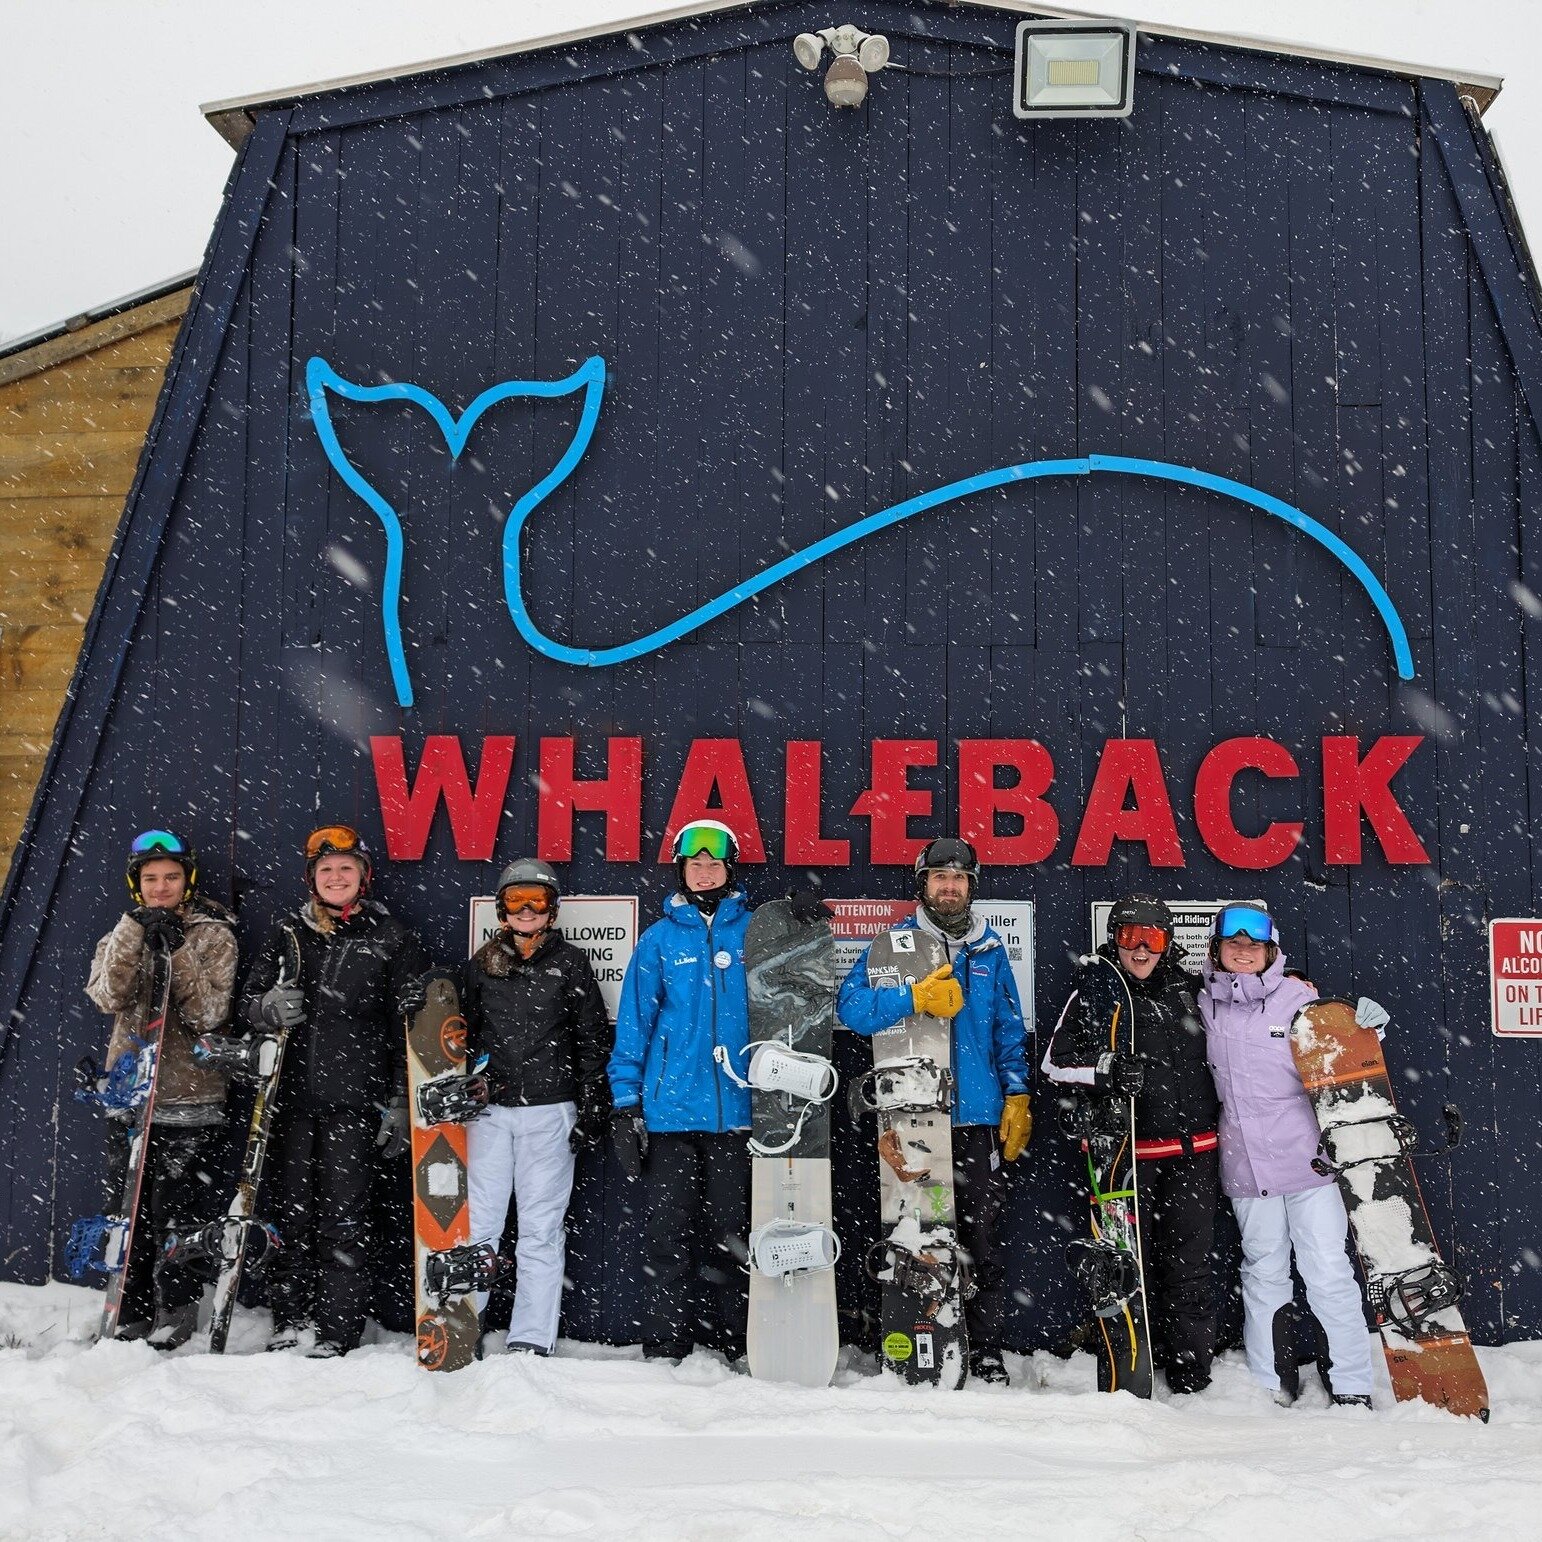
x: 1016, y: 1125
x: 938, y: 995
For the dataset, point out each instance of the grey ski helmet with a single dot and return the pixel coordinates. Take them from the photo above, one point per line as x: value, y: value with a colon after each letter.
x: 532, y: 872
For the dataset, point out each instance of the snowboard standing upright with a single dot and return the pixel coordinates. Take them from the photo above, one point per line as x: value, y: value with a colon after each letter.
x: 443, y: 1270
x: 106, y: 1242
x: 793, y: 1334
x: 1110, y: 1265
x: 918, y: 1263
x: 1368, y: 1147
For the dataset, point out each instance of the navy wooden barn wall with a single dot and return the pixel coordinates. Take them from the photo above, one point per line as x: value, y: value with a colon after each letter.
x: 1296, y: 274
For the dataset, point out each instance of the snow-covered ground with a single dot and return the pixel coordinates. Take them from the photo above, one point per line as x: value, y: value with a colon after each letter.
x: 113, y: 1440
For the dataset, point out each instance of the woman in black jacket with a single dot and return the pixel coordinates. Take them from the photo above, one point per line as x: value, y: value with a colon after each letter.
x: 534, y: 1009
x: 344, y: 1062
x: 1175, y: 1117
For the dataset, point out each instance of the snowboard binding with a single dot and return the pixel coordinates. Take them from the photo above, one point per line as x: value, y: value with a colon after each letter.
x: 799, y: 1077
x: 459, y: 1271
x: 220, y: 1242
x: 251, y: 1059
x: 911, y: 1084
x: 1412, y: 1299
x: 936, y: 1270
x: 782, y: 1249
x: 1108, y: 1274
x: 96, y: 1245
x: 452, y: 1099
x: 124, y: 1087
x: 1402, y: 1130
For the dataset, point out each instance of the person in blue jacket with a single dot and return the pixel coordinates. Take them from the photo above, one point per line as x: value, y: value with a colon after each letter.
x: 679, y: 1122
x: 992, y: 1118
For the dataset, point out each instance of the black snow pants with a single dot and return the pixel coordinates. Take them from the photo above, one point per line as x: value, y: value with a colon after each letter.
x: 696, y: 1195
x: 1177, y: 1218
x: 316, y: 1192
x: 979, y: 1186
x: 179, y: 1194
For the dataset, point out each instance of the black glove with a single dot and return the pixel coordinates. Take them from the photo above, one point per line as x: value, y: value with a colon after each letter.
x: 283, y: 1006
x: 630, y: 1136
x: 163, y: 931
x: 587, y: 1130
x: 394, y: 1137
x: 805, y: 905
x: 414, y: 996
x: 1121, y: 1073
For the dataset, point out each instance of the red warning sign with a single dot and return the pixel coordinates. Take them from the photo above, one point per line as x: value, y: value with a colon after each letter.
x: 1515, y: 976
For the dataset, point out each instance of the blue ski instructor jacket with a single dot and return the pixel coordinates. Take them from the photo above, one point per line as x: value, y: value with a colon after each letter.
x: 990, y: 1058
x: 684, y: 995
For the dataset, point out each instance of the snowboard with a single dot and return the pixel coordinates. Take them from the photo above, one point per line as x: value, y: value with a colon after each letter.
x: 918, y: 1263
x: 445, y: 1312
x: 228, y: 1238
x: 792, y: 1333
x: 1368, y: 1147
x: 105, y: 1243
x: 1110, y: 1264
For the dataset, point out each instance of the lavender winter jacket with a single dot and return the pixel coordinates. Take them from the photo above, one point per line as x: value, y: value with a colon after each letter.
x: 1268, y: 1130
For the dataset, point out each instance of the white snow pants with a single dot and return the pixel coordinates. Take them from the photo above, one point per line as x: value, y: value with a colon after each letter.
x: 1314, y: 1223
x: 524, y: 1151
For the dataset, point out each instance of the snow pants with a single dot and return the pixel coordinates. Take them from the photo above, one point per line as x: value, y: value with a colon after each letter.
x: 524, y: 1152
x: 316, y: 1193
x: 1177, y: 1220
x: 979, y: 1187
x: 1314, y: 1223
x: 178, y: 1194
x: 696, y: 1199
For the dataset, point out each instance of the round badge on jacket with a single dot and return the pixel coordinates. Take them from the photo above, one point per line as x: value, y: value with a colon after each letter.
x: 722, y: 958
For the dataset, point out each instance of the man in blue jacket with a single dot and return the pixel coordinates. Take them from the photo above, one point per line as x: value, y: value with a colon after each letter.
x: 991, y: 1115
x: 679, y: 1122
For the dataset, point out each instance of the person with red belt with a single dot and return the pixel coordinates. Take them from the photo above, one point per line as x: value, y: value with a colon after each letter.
x: 1176, y: 1113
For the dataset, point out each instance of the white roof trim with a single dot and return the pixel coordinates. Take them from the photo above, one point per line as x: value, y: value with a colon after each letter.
x: 231, y: 117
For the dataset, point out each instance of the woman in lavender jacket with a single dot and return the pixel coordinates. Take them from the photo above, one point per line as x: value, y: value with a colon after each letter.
x: 1268, y: 1139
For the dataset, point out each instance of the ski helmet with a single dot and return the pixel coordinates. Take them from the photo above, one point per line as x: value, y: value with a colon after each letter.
x: 705, y: 837
x: 1244, y: 921
x: 529, y: 873
x: 337, y: 841
x: 948, y: 853
x: 1141, y: 910
x: 154, y: 845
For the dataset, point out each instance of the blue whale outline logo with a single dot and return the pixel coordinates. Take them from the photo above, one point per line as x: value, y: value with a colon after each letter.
x: 589, y: 379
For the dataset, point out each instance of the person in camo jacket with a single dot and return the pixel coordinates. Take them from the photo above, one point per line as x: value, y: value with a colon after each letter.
x: 179, y: 1194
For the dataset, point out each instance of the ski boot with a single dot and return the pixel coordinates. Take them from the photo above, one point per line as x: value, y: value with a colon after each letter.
x: 986, y: 1365
x: 174, y: 1326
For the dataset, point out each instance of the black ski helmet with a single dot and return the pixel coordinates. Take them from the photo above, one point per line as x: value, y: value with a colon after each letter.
x: 1139, y: 910
x: 949, y: 852
x: 337, y: 841
x: 160, y: 845
x: 529, y: 871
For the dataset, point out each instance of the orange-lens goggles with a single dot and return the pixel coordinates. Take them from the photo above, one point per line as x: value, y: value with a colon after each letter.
x: 1132, y: 937
x: 519, y: 897
x: 332, y: 838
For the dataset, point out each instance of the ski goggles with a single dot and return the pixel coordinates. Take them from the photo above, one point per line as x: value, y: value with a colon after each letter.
x: 519, y: 896
x: 1133, y: 935
x: 704, y: 840
x: 163, y: 841
x: 333, y: 840
x: 1245, y: 921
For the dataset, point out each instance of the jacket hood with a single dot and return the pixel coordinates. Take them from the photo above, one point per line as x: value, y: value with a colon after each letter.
x: 925, y: 923
x: 682, y: 912
x: 1225, y: 986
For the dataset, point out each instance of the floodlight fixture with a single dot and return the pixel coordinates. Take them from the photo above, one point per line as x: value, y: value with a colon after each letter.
x: 1074, y: 69
x: 855, y: 55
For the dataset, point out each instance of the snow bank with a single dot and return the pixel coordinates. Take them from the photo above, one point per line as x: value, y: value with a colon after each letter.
x: 113, y: 1440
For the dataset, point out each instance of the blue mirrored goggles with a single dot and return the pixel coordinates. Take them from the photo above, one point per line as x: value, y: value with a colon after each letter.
x: 159, y: 840
x: 1245, y: 921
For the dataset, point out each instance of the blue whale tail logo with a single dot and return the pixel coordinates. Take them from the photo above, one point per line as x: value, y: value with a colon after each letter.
x: 321, y: 378
x: 589, y: 379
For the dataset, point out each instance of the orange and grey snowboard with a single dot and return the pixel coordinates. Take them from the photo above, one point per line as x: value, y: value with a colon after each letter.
x: 1368, y: 1147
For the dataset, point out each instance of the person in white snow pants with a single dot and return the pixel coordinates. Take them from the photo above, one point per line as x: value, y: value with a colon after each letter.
x: 1268, y: 1134
x: 534, y: 1009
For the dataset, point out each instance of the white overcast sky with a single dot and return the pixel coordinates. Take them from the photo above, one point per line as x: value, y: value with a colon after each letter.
x: 110, y: 177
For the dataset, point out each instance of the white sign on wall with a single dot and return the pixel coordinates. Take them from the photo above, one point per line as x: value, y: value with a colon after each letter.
x: 1515, y: 977
x: 1192, y: 921
x: 602, y: 925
